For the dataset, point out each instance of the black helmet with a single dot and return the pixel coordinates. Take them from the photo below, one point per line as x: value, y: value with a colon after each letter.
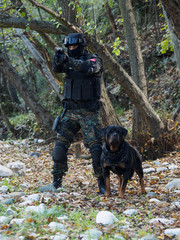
x: 75, y: 39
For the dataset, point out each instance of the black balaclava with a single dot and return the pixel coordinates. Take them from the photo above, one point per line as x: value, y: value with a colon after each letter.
x: 76, y: 53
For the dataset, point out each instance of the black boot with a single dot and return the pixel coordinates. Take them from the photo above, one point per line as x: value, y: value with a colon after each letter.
x: 96, y: 151
x: 101, y: 185
x: 57, y: 181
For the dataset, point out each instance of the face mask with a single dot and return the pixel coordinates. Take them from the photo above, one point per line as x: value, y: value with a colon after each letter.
x: 76, y: 52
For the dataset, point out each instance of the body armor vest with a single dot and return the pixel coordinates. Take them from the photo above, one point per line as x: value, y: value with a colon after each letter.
x: 81, y: 87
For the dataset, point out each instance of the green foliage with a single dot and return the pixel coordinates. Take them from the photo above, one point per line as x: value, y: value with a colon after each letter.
x: 166, y: 44
x: 81, y: 220
x: 22, y: 119
x: 7, y: 182
x: 117, y: 47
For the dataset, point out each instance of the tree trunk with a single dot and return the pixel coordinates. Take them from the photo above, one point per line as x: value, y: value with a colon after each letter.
x: 108, y: 113
x: 9, y: 125
x: 47, y: 73
x: 136, y: 63
x: 176, y: 115
x: 111, y: 19
x: 10, y: 73
x: 172, y: 9
x: 69, y: 11
x: 13, y: 93
x: 174, y: 39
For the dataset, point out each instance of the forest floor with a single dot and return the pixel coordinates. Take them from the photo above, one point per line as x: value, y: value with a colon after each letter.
x: 80, y: 202
x: 77, y: 204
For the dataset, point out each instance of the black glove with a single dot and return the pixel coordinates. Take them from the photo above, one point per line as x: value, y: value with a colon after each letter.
x: 60, y: 57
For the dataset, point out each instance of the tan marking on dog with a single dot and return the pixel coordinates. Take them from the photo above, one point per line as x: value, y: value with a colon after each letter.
x: 143, y: 191
x: 121, y: 165
x: 107, y: 193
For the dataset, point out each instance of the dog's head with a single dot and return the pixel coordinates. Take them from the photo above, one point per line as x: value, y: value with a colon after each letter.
x: 114, y: 137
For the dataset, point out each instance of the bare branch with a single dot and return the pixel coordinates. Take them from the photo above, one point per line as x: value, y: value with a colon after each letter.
x: 7, y: 21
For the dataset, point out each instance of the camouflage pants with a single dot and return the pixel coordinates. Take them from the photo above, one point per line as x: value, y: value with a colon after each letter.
x: 73, y: 121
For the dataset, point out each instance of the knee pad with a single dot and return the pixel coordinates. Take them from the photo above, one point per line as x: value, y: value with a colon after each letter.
x: 60, y: 153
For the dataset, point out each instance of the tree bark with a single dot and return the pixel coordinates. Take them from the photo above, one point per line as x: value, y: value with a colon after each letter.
x: 9, y: 125
x: 108, y: 113
x: 172, y: 9
x: 48, y: 75
x: 136, y: 63
x: 7, y: 21
x: 111, y: 19
x: 176, y: 115
x: 31, y: 100
x: 174, y: 39
x: 69, y: 11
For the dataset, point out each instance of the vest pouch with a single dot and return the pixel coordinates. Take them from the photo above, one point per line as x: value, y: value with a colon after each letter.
x: 87, y: 90
x: 76, y: 89
x: 68, y: 88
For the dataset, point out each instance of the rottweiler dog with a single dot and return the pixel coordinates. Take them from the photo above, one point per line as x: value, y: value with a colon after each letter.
x: 120, y: 158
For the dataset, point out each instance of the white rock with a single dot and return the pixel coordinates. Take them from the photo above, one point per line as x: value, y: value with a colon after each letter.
x: 130, y: 212
x: 161, y: 220
x: 62, y: 218
x: 56, y: 226
x: 172, y: 232
x: 92, y: 234
x: 32, y: 197
x: 21, y: 238
x: 41, y: 140
x: 25, y: 185
x: 119, y: 237
x: 2, y: 237
x: 161, y: 169
x: 18, y: 168
x: 149, y: 170
x: 165, y: 163
x: 174, y: 183
x: 172, y: 167
x: 4, y: 189
x: 105, y: 218
x: 4, y: 220
x: 38, y: 209
x: 125, y: 225
x: 59, y: 237
x: 9, y: 211
x: 6, y: 146
x: 17, y: 221
x: 148, y: 237
x: 5, y: 172
x: 26, y: 203
x: 154, y: 200
x: 157, y: 163
x: 176, y: 204
x: 177, y: 191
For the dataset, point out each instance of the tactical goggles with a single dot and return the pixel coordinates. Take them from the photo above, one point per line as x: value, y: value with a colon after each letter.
x: 72, y: 41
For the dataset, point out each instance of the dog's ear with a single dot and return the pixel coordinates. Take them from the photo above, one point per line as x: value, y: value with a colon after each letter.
x: 124, y: 131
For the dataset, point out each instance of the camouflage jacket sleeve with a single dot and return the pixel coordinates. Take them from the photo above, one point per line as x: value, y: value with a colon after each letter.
x: 90, y: 66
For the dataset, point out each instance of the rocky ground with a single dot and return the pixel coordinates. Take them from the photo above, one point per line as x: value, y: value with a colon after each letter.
x: 72, y: 212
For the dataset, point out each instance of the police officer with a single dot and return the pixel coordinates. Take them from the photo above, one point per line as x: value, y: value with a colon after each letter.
x: 81, y: 103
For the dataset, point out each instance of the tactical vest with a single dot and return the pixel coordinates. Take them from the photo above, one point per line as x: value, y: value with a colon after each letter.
x: 80, y: 87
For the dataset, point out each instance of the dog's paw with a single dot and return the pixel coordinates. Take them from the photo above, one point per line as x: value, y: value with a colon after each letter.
x: 143, y: 192
x: 120, y: 195
x: 107, y: 194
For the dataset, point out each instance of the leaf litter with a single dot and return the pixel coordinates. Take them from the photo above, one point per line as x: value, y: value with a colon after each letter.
x: 79, y: 199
